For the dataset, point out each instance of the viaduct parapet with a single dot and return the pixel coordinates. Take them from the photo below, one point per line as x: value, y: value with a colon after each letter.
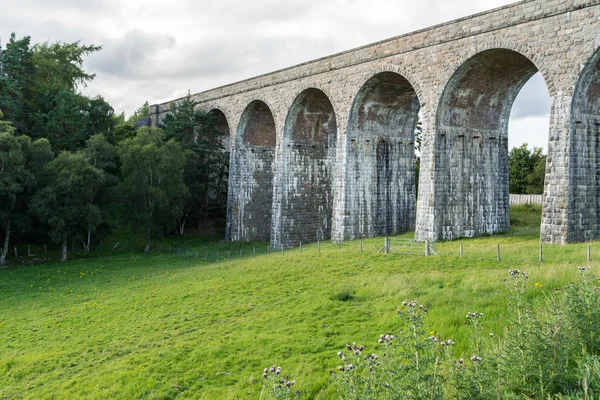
x: 325, y: 149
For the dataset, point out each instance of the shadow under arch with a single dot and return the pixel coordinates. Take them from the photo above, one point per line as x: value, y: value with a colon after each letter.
x: 309, y: 152
x: 471, y: 150
x: 584, y: 196
x: 380, y: 175
x: 221, y: 175
x: 253, y: 175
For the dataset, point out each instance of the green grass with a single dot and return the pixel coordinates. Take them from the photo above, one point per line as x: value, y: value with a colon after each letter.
x: 159, y: 326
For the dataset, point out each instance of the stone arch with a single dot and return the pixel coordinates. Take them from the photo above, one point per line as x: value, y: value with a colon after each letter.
x: 525, y: 51
x: 471, y: 150
x: 380, y: 176
x: 584, y: 196
x: 254, y: 154
x: 412, y: 79
x: 309, y: 153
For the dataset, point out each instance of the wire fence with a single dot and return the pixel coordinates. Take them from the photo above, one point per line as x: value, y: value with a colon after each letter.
x: 506, y: 249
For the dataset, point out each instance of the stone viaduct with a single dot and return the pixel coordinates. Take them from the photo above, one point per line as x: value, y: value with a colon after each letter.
x: 325, y: 149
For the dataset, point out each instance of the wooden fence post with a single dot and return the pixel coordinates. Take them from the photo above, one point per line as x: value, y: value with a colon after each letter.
x: 498, y: 252
x: 427, y: 248
x: 387, y: 245
x: 461, y: 249
x: 361, y: 245
x: 589, y: 253
x: 300, y: 247
x: 541, y: 253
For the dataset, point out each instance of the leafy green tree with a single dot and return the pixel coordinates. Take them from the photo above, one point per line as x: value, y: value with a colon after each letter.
x: 152, y: 171
x: 39, y: 92
x: 519, y: 167
x: 206, y: 170
x: 526, y: 170
x: 123, y: 132
x: 67, y: 203
x: 537, y: 177
x: 21, y: 163
x: 64, y: 123
x: 101, y: 154
x: 16, y: 80
x: 60, y: 65
x: 101, y: 118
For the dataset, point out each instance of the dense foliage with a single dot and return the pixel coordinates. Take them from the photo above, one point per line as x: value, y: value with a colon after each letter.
x: 526, y: 170
x: 70, y: 165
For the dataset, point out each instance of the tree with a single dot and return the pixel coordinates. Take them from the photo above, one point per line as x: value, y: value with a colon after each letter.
x: 16, y: 80
x: 206, y: 170
x: 526, y: 170
x: 122, y: 132
x: 101, y: 154
x: 39, y: 92
x: 152, y: 171
x: 66, y: 204
x: 21, y: 163
x: 60, y: 65
x: 101, y: 117
x: 535, y: 180
x: 65, y: 123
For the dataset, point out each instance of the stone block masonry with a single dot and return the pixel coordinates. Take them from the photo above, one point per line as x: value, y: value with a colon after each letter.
x: 325, y: 149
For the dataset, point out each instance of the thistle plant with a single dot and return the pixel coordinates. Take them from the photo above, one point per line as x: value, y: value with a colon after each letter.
x: 277, y: 386
x: 408, y: 364
x: 552, y: 351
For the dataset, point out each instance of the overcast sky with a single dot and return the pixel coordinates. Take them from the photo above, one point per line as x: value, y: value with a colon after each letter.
x: 158, y: 50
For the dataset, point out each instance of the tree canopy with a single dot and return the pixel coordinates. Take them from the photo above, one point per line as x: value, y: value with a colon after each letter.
x: 526, y: 170
x: 152, y: 170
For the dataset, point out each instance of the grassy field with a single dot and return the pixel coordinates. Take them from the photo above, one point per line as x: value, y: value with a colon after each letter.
x: 162, y: 326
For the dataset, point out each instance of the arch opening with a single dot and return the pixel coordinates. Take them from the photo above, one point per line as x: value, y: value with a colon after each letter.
x: 584, y: 208
x: 381, y: 157
x: 472, y: 154
x: 255, y: 155
x: 309, y: 152
x: 220, y: 192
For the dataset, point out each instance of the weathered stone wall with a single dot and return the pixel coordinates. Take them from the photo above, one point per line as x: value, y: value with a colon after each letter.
x: 251, y: 187
x: 472, y: 146
x: 380, y: 173
x: 464, y: 93
x: 306, y: 177
x: 585, y: 176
